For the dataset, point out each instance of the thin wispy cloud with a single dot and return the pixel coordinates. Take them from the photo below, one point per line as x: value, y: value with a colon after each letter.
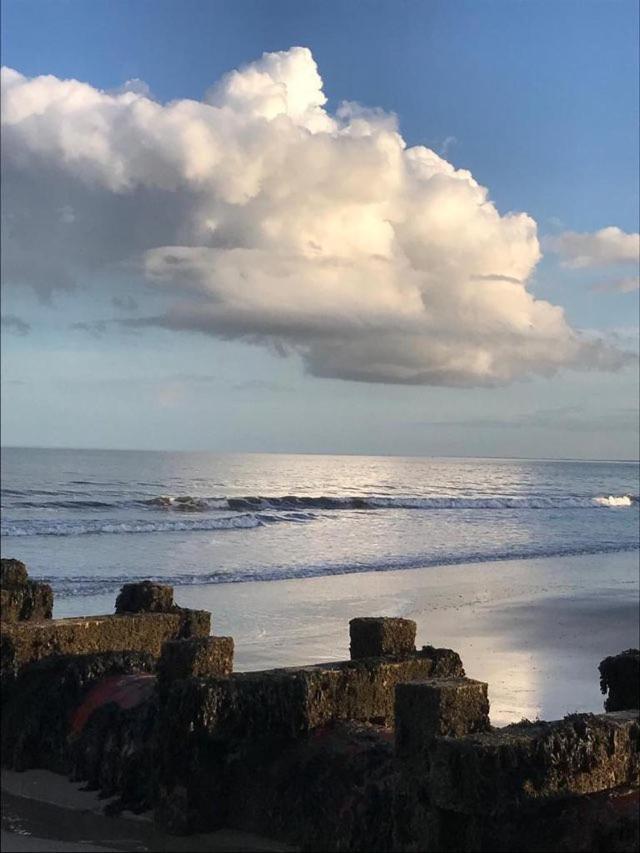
x: 576, y: 418
x: 125, y: 303
x: 15, y: 325
x: 252, y: 385
x: 447, y: 144
x: 628, y: 284
x: 95, y: 328
x: 257, y: 214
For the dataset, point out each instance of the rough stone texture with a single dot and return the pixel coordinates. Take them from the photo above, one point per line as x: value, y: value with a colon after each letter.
x: 605, y: 822
x: 20, y: 598
x: 22, y: 643
x: 12, y: 572
x: 293, y: 702
x: 115, y: 753
x: 425, y: 710
x: 204, y: 721
x: 145, y: 597
x: 620, y: 676
x: 492, y: 773
x: 37, y: 705
x: 196, y: 657
x: 378, y: 636
x: 333, y: 791
x: 31, y: 602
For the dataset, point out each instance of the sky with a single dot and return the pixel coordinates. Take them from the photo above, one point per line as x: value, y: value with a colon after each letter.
x: 375, y: 227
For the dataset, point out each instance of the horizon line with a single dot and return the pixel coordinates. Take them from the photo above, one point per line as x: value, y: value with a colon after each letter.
x: 320, y: 453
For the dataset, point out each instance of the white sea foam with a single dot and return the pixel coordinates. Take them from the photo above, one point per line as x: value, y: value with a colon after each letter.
x: 346, y: 502
x: 85, y: 585
x: 615, y: 500
x: 84, y: 527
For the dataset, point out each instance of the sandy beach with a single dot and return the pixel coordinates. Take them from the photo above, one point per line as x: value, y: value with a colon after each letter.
x: 42, y: 811
x: 535, y: 630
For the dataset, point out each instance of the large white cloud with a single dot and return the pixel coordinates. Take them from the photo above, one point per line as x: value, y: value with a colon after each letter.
x: 259, y: 215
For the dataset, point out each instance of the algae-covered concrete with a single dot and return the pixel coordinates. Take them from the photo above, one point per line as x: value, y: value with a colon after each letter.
x: 12, y: 572
x: 197, y: 657
x: 292, y: 702
x: 500, y: 770
x: 20, y: 598
x: 378, y: 636
x: 144, y: 597
x: 37, y: 706
x: 620, y: 677
x: 22, y: 643
x: 425, y: 710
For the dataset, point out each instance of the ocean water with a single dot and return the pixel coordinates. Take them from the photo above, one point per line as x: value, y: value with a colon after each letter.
x: 87, y: 521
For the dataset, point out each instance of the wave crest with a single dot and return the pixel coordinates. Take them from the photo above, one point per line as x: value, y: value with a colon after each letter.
x: 256, y: 503
x: 85, y: 527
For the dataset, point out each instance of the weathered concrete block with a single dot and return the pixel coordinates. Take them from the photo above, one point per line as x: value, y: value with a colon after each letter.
x: 620, y: 676
x: 20, y: 598
x: 12, y: 572
x: 31, y: 602
x: 197, y: 657
x: 11, y: 601
x: 606, y: 821
x: 38, y: 705
x: 377, y: 636
x: 329, y: 792
x: 144, y: 597
x: 289, y: 703
x: 22, y: 643
x: 425, y: 710
x: 525, y: 763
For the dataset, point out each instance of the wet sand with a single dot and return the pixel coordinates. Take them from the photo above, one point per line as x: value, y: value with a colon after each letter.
x: 42, y: 811
x: 534, y: 629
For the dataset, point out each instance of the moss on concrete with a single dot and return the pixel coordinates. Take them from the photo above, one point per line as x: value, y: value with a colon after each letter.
x: 20, y: 598
x: 495, y: 772
x: 22, y: 643
x: 620, y: 676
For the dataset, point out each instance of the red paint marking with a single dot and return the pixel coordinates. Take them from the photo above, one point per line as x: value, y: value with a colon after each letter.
x: 126, y: 691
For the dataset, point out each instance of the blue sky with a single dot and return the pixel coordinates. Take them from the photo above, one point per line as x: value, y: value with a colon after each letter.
x: 538, y: 100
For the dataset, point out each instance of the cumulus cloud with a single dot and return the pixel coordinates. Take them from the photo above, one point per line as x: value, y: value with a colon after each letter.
x: 606, y: 247
x: 257, y: 214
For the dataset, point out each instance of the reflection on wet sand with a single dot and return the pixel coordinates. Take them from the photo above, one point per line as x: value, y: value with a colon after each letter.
x: 535, y: 630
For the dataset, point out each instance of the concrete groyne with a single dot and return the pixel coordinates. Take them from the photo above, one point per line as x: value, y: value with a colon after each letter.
x: 390, y: 750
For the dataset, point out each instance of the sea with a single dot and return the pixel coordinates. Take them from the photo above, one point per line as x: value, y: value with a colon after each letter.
x: 89, y: 520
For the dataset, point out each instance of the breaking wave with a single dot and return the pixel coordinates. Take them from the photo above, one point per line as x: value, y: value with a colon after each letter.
x: 613, y: 500
x: 257, y: 503
x: 84, y: 527
x: 323, y: 502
